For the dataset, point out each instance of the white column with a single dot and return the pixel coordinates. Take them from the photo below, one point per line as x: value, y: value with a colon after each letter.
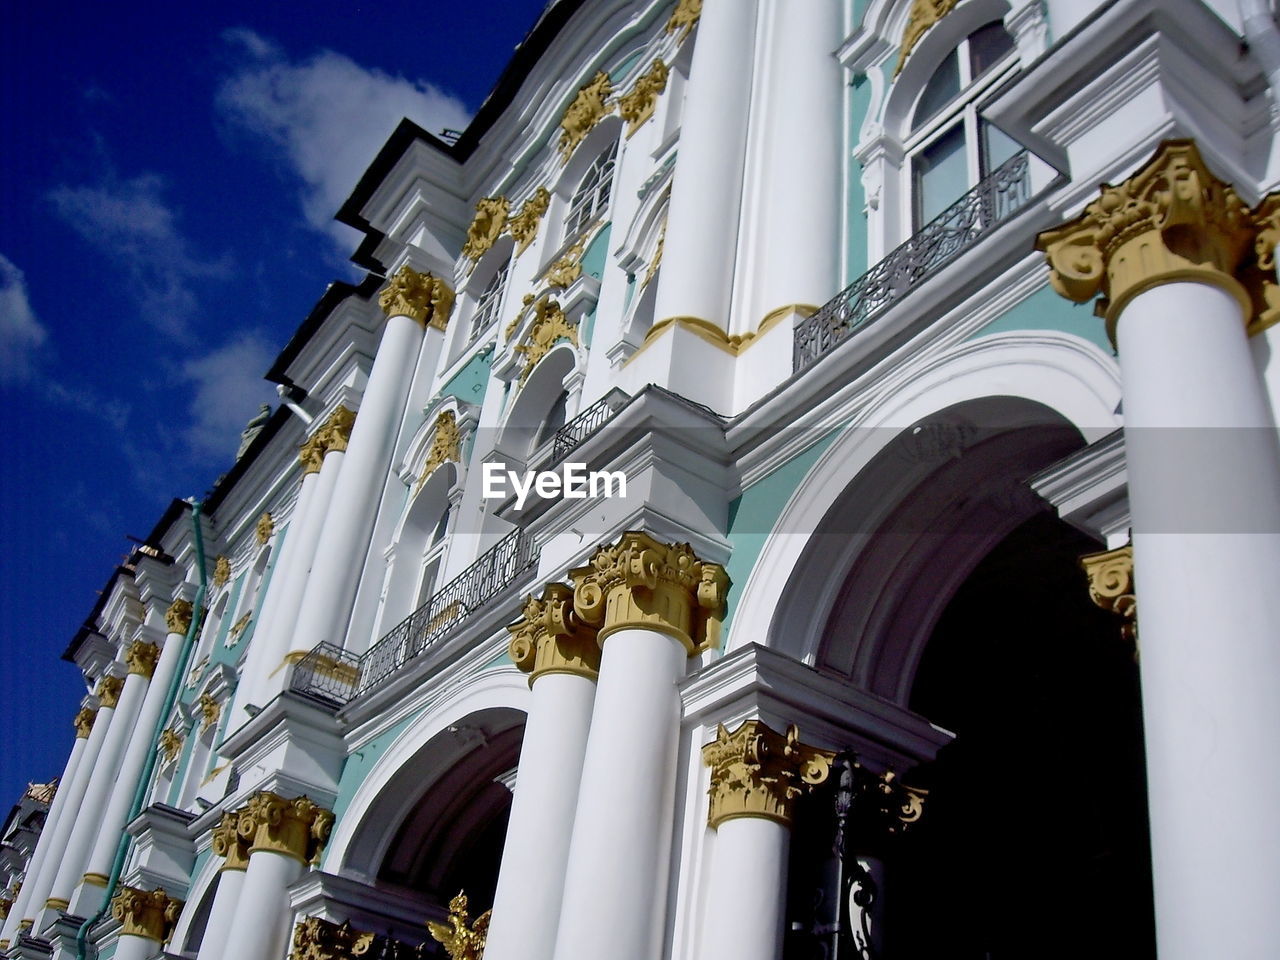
x: 1204, y: 490
x: 57, y: 810
x: 563, y: 662
x: 747, y: 890
x: 222, y: 916
x: 132, y: 946
x: 147, y: 918
x: 706, y: 197
x: 262, y: 921
x: 87, y: 899
x: 344, y: 537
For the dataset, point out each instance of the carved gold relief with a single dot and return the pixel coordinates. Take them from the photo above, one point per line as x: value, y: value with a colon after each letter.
x: 335, y: 432
x: 637, y: 106
x: 210, y: 711
x: 486, y: 227
x: 568, y: 267
x: 588, y: 108
x: 169, y: 745
x: 643, y: 583
x: 140, y: 658
x: 298, y: 828
x: 684, y: 18
x: 221, y: 570
x: 145, y: 913
x: 551, y: 638
x: 84, y: 722
x: 548, y: 328
x: 462, y: 939
x: 656, y: 262
x: 419, y: 296
x: 229, y: 844
x: 178, y: 617
x: 315, y: 938
x: 1110, y: 576
x: 265, y: 527
x: 239, y: 627
x: 924, y: 14
x: 523, y: 226
x: 446, y: 444
x: 109, y: 691
x: 756, y: 772
x: 6, y: 903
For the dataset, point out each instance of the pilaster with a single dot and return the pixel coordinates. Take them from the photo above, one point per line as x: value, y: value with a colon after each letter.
x: 756, y: 772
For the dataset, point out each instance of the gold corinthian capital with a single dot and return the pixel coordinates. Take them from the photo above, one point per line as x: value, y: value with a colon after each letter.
x: 551, y: 638
x: 146, y: 913
x: 1171, y: 221
x: 178, y: 617
x: 229, y: 844
x: 756, y: 772
x: 140, y: 658
x: 640, y: 582
x: 297, y: 828
x: 420, y: 296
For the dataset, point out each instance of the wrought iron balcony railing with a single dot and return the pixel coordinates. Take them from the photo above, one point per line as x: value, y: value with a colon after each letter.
x: 993, y: 201
x: 576, y: 431
x: 333, y: 675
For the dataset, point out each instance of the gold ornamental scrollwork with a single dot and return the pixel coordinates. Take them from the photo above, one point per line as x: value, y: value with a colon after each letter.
x: 589, y: 107
x: 420, y: 296
x: 684, y: 18
x: 140, y: 658
x: 178, y: 617
x: 924, y: 14
x: 1171, y: 221
x: 549, y: 327
x: 637, y: 105
x: 462, y: 939
x: 642, y: 583
x: 221, y: 570
x: 486, y: 227
x: 446, y: 445
x: 169, y: 745
x: 210, y: 710
x: 568, y: 267
x: 756, y: 772
x: 146, y: 913
x: 84, y: 722
x: 297, y: 828
x: 109, y: 691
x: 264, y: 528
x: 656, y: 261
x: 227, y: 843
x: 551, y: 638
x: 315, y: 938
x: 1110, y: 576
x: 523, y: 226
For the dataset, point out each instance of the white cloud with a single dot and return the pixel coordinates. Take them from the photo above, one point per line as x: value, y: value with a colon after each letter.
x: 131, y: 223
x: 21, y: 333
x: 327, y: 116
x: 228, y: 389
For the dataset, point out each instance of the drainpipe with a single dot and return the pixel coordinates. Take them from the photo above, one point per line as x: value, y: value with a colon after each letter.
x: 175, y: 686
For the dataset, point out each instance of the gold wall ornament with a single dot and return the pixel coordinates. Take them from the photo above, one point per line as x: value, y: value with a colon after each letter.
x: 446, y: 445
x: 228, y: 844
x: 140, y: 658
x: 178, y: 617
x: 551, y: 638
x: 924, y: 14
x: 645, y: 584
x: 1173, y: 220
x: 514, y: 325
x: 146, y: 913
x: 335, y: 433
x: 523, y: 226
x: 311, y: 455
x: 486, y: 227
x: 210, y: 710
x: 265, y: 527
x: 315, y: 938
x: 548, y: 328
x: 684, y: 18
x: 6, y: 904
x: 84, y: 722
x: 589, y: 107
x: 1110, y: 576
x: 636, y: 106
x: 656, y: 262
x: 419, y: 296
x: 462, y: 939
x: 568, y: 267
x: 756, y: 772
x: 169, y: 745
x: 109, y: 688
x: 297, y: 828
x: 221, y: 570
x: 239, y: 627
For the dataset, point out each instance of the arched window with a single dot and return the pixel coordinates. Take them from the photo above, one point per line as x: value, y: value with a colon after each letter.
x: 432, y: 559
x: 554, y: 420
x: 950, y: 147
x: 592, y: 195
x: 490, y: 302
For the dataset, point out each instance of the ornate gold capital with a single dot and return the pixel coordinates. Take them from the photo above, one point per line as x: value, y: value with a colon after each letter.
x: 636, y: 106
x: 684, y: 18
x: 523, y: 226
x: 756, y: 772
x: 588, y: 108
x: 1110, y: 576
x: 643, y: 583
x: 84, y: 722
x: 109, y: 688
x: 486, y: 226
x: 462, y: 939
x: 178, y: 617
x: 1171, y: 221
x: 221, y: 570
x: 297, y: 828
x: 311, y: 455
x: 335, y: 434
x: 419, y: 296
x: 210, y: 711
x: 146, y: 913
x: 140, y: 658
x: 315, y: 938
x: 446, y: 445
x: 229, y: 844
x: 548, y: 328
x: 265, y: 527
x: 551, y: 638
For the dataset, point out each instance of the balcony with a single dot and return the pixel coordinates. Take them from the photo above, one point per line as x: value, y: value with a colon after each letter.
x: 978, y: 213
x: 569, y: 437
x: 336, y: 676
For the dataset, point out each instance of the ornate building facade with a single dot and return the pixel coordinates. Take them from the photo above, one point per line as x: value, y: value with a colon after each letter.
x: 841, y: 656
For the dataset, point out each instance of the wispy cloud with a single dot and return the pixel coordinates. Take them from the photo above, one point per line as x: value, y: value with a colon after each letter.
x: 227, y: 389
x: 132, y: 224
x: 325, y: 116
x: 21, y: 332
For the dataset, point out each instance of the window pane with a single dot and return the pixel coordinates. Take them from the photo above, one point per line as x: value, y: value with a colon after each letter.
x: 941, y: 174
x: 997, y: 147
x: 988, y: 46
x: 556, y: 417
x: 939, y: 91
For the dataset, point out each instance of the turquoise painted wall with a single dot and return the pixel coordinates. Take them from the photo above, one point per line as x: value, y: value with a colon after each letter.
x: 468, y: 383
x: 1045, y: 310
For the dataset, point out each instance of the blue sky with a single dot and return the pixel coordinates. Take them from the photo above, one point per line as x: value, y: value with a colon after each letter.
x: 168, y: 177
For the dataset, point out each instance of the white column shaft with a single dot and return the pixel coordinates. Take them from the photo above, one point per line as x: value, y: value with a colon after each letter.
x: 747, y: 890
x: 222, y: 916
x: 262, y: 921
x: 110, y: 826
x: 1204, y: 488
x: 527, y: 902
x: 615, y: 884
x: 344, y: 537
x: 706, y: 197
x: 132, y: 947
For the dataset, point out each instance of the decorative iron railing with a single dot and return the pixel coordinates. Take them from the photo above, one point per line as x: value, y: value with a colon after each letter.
x: 576, y: 431
x: 993, y: 201
x: 333, y: 675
